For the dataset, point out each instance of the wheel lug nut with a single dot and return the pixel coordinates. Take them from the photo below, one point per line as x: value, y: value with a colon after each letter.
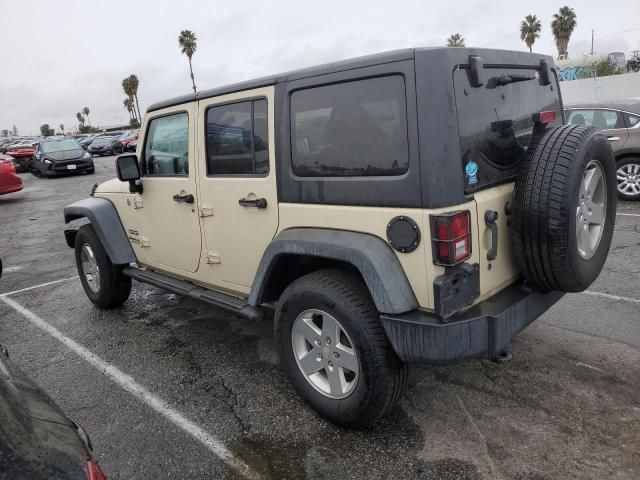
x: 319, y: 357
x: 330, y: 364
x: 328, y: 341
x: 336, y: 355
x: 317, y: 342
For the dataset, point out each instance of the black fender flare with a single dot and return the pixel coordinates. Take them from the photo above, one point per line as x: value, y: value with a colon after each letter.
x: 369, y: 254
x: 106, y: 222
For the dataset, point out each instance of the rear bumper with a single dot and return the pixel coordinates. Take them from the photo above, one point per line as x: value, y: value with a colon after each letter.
x: 483, y: 331
x: 61, y: 168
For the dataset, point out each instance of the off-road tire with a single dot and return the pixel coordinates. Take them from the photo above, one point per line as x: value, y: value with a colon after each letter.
x: 114, y: 287
x: 622, y: 163
x: 546, y: 198
x: 383, y: 376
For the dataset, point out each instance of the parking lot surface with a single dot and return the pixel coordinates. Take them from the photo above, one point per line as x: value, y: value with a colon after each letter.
x: 171, y: 388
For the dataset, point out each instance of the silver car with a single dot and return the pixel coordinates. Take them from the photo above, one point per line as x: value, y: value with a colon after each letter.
x: 620, y: 122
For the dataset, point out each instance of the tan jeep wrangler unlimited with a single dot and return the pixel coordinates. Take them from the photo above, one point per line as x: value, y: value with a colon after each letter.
x: 422, y: 205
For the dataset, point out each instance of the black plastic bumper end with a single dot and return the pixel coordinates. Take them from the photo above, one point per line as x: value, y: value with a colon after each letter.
x: 483, y: 331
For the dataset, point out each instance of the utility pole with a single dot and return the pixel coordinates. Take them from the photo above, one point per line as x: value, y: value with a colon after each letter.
x: 592, y: 31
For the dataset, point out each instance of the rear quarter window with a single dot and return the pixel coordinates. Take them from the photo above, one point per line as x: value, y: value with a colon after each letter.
x: 356, y: 128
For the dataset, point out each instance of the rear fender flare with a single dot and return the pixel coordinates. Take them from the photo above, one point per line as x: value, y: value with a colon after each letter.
x: 369, y: 254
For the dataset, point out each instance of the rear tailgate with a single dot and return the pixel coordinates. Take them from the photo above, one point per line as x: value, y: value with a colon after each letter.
x: 496, y: 122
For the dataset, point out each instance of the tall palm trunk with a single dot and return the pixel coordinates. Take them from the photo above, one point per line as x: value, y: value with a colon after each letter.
x: 138, y: 107
x: 192, y: 79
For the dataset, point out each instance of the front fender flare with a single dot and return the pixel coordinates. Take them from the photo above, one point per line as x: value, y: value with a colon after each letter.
x: 370, y: 255
x: 106, y: 222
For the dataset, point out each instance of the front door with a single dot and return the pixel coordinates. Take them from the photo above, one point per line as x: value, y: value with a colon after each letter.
x: 169, y: 225
x: 609, y: 121
x: 238, y: 199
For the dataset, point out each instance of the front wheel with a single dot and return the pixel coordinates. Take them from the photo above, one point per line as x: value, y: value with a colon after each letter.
x: 335, y: 351
x: 103, y: 282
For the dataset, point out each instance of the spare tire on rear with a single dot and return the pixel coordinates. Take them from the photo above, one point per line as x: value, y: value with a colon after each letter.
x: 564, y: 209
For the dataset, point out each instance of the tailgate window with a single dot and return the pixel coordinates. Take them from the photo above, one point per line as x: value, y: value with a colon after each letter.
x: 495, y: 121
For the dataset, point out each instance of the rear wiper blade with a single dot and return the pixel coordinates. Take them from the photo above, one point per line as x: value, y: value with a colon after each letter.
x: 512, y: 78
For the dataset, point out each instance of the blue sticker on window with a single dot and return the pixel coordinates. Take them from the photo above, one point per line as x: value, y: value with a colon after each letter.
x: 471, y: 169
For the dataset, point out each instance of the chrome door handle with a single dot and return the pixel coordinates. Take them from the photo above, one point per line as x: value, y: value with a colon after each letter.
x: 183, y: 198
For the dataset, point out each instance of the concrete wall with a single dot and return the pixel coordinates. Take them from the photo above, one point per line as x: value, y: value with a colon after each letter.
x: 622, y: 86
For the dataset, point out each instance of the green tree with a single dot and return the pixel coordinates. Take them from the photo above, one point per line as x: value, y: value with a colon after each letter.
x: 127, y: 105
x: 85, y: 110
x: 135, y: 83
x: 455, y: 40
x: 187, y: 41
x: 61, y: 126
x: 128, y: 90
x: 45, y: 130
x: 14, y: 130
x: 530, y: 29
x: 5, y: 132
x: 601, y: 68
x: 134, y: 123
x: 562, y: 26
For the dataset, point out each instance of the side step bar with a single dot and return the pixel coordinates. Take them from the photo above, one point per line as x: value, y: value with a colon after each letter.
x: 187, y: 289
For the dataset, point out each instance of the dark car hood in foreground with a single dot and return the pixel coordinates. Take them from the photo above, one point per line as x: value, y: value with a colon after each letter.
x: 65, y: 154
x: 37, y: 441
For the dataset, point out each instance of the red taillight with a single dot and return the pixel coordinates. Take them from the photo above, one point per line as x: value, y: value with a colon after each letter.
x: 451, y: 237
x: 94, y: 472
x: 545, y: 117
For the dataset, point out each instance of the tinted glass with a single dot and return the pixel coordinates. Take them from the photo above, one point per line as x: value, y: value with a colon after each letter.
x: 495, y: 122
x: 60, y: 146
x: 632, y: 120
x: 166, y: 150
x: 350, y: 129
x: 601, y: 119
x: 237, y: 141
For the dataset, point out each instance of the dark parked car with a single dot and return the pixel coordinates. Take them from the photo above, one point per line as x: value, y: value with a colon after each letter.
x: 132, y: 145
x: 124, y: 140
x: 37, y: 440
x: 103, y: 145
x: 22, y: 154
x: 55, y: 157
x: 86, y: 141
x: 620, y: 122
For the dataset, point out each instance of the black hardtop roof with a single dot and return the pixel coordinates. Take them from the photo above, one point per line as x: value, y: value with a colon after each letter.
x: 340, y: 66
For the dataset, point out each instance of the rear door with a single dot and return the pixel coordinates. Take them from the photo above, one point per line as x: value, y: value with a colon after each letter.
x: 238, y: 199
x: 496, y: 124
x: 609, y: 121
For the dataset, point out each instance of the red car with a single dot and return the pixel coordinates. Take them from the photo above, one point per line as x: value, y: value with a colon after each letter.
x: 9, y: 181
x: 23, y: 155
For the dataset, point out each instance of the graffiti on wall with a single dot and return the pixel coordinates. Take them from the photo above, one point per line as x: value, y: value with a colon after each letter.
x: 574, y: 73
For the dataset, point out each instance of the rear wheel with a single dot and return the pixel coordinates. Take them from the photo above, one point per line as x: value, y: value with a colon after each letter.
x: 103, y: 282
x: 628, y: 177
x: 334, y: 349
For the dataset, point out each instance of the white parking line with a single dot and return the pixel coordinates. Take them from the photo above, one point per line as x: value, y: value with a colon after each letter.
x: 37, y: 286
x: 134, y: 388
x: 629, y: 214
x: 612, y: 297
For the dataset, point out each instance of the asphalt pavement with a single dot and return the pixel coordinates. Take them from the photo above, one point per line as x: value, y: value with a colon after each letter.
x: 171, y: 388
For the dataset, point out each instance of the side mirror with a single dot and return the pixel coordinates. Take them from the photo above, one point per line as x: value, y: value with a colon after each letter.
x: 129, y: 171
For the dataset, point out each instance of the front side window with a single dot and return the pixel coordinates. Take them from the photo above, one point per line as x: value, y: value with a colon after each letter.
x: 166, y: 150
x: 601, y: 119
x: 350, y: 129
x: 237, y: 139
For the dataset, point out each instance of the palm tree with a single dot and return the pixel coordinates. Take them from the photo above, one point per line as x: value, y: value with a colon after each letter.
x: 135, y: 83
x: 85, y: 110
x: 562, y: 26
x: 62, y: 128
x: 128, y: 90
x: 187, y: 42
x: 530, y: 30
x: 455, y: 40
x: 127, y: 104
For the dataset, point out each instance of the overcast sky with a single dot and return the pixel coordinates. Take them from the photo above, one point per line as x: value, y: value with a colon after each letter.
x: 59, y: 56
